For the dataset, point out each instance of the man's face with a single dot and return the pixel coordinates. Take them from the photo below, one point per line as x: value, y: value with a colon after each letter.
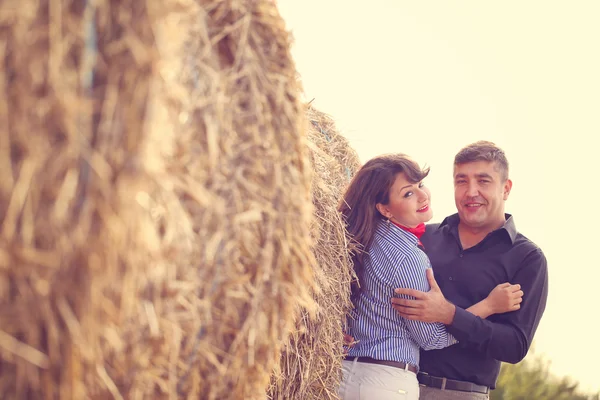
x: 480, y: 193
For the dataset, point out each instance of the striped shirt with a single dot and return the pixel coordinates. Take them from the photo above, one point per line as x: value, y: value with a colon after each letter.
x: 393, y: 261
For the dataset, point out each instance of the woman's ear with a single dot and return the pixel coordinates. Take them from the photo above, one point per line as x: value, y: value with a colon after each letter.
x: 382, y: 210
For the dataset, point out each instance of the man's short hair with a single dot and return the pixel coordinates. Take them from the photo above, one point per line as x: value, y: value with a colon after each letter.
x: 483, y: 151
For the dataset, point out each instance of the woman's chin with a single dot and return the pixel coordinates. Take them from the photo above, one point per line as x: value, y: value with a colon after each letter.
x: 428, y: 215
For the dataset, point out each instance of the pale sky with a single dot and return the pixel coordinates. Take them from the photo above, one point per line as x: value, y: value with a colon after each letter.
x: 426, y: 78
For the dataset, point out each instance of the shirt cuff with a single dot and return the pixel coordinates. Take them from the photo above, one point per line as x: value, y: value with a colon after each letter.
x: 451, y: 339
x: 462, y: 325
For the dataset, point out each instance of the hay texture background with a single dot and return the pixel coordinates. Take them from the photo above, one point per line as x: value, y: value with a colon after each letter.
x: 154, y: 199
x: 311, y: 362
x: 239, y: 169
x: 69, y: 253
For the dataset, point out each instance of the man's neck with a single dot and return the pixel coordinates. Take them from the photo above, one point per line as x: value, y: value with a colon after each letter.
x: 472, y: 236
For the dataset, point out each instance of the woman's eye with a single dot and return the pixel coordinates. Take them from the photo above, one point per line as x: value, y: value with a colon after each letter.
x: 421, y: 185
x: 408, y: 194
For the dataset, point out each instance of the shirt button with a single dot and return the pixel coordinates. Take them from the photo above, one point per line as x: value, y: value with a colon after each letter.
x: 460, y: 255
x: 450, y: 278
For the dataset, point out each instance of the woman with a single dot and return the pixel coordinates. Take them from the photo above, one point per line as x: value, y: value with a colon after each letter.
x: 385, y: 208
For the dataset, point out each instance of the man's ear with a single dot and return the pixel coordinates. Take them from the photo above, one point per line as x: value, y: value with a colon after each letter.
x: 507, y: 189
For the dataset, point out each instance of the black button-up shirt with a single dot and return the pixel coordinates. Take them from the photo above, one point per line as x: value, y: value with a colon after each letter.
x: 467, y: 277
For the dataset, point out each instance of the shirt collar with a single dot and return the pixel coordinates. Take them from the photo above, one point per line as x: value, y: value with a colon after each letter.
x: 387, y: 228
x: 509, y: 225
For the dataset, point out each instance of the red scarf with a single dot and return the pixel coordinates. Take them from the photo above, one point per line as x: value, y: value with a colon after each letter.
x: 418, y: 231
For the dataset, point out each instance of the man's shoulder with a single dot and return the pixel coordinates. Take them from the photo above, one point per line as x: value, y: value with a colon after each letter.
x: 433, y: 230
x: 432, y: 227
x: 527, y: 246
x: 444, y: 226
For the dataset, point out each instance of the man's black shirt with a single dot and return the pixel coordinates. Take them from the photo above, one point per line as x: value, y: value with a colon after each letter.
x: 467, y: 277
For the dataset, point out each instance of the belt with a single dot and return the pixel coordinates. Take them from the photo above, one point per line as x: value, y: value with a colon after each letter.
x: 450, y: 384
x: 396, y: 364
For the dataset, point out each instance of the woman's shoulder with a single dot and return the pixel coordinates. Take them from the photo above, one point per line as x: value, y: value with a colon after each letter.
x: 394, y: 238
x: 392, y: 246
x: 396, y: 261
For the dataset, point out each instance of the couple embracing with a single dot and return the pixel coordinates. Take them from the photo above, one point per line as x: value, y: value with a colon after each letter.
x: 437, y: 308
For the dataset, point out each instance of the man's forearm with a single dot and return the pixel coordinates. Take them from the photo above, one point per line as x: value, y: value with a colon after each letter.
x: 481, y: 309
x: 507, y: 337
x: 504, y: 342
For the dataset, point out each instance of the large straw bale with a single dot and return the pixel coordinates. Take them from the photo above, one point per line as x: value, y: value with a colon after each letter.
x: 237, y: 171
x: 154, y: 199
x: 231, y: 205
x: 244, y: 178
x: 70, y: 253
x: 311, y: 362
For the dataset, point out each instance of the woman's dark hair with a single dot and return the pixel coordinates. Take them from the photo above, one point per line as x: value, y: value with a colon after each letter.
x: 371, y: 185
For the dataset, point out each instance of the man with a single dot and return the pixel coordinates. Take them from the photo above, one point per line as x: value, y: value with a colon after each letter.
x: 471, y: 252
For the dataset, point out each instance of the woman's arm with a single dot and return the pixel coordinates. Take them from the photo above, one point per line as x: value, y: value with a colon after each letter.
x: 503, y: 298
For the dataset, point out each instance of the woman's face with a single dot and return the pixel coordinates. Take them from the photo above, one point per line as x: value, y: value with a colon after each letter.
x: 409, y: 203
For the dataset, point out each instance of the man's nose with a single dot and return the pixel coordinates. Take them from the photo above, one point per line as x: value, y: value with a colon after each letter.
x: 472, y: 190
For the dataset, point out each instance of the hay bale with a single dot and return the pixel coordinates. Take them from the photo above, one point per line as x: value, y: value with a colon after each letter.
x: 155, y: 216
x: 231, y: 206
x: 70, y: 254
x: 311, y: 362
x: 245, y: 181
x: 237, y: 170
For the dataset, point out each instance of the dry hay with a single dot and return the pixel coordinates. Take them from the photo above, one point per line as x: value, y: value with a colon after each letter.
x: 239, y: 174
x: 311, y: 363
x: 149, y: 254
x: 69, y: 253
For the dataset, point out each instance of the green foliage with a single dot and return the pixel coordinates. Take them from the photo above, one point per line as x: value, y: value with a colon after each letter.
x: 532, y: 380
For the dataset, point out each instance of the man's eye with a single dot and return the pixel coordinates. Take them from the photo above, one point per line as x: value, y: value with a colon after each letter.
x: 484, y: 181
